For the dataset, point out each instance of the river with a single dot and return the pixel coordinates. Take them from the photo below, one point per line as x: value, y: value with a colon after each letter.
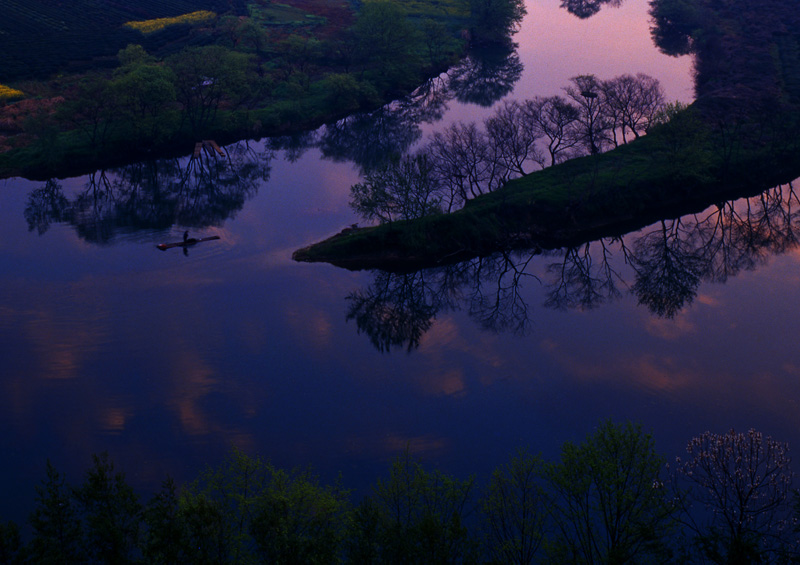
x: 166, y: 360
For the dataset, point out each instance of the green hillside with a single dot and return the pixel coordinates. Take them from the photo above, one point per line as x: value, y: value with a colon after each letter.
x: 42, y: 37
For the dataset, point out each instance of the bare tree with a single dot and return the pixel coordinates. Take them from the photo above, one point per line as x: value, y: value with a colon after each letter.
x: 631, y: 103
x: 555, y: 119
x: 741, y: 483
x: 587, y: 93
x: 512, y: 141
x: 464, y: 164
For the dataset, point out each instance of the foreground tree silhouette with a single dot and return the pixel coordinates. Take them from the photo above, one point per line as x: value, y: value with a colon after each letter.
x: 415, y: 516
x: 736, y: 496
x: 514, y: 510
x: 609, y: 504
x: 111, y: 511
x: 57, y: 533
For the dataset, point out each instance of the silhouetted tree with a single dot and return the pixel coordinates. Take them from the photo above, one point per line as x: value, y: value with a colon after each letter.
x: 586, y: 91
x: 734, y: 491
x: 404, y: 189
x: 609, y: 502
x: 632, y: 103
x: 556, y: 121
x: 514, y: 510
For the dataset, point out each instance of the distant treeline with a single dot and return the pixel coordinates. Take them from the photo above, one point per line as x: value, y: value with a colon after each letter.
x: 610, y: 499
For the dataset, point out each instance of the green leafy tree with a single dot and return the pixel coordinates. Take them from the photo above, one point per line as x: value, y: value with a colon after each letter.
x: 56, y: 523
x: 111, y: 511
x: 11, y: 548
x: 414, y: 517
x: 217, y: 508
x: 93, y: 111
x: 204, y: 78
x: 609, y: 504
x: 247, y: 510
x: 165, y: 540
x: 145, y: 94
x: 514, y: 510
x: 295, y: 520
x: 385, y: 38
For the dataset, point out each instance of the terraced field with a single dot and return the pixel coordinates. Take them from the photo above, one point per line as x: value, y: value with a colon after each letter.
x: 42, y: 37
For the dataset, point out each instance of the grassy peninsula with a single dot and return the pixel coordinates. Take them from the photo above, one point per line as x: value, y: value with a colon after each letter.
x: 739, y: 138
x: 108, y: 84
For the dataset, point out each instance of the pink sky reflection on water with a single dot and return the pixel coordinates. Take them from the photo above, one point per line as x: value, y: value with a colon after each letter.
x: 554, y: 45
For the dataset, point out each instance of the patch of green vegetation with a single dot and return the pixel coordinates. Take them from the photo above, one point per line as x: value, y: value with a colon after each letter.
x: 291, y: 70
x: 282, y: 15
x: 42, y: 38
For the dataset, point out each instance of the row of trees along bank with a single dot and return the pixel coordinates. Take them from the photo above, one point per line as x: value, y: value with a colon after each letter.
x: 610, y: 499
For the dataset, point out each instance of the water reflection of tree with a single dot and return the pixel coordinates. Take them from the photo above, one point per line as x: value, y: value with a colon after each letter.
x: 152, y: 195
x: 485, y: 76
x: 583, y: 279
x: 587, y: 8
x: 662, y: 266
x: 668, y: 268
x: 396, y: 310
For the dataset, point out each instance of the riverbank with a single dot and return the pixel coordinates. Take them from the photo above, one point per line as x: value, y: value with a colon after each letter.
x: 738, y: 138
x: 679, y: 168
x: 279, y: 70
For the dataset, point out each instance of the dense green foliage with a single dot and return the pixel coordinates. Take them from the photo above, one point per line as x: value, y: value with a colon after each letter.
x: 257, y: 69
x: 609, y: 499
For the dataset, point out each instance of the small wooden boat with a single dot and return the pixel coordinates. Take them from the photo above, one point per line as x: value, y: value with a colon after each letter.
x: 187, y: 242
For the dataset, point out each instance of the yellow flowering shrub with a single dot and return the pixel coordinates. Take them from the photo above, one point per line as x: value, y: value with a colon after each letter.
x: 150, y: 26
x: 6, y: 92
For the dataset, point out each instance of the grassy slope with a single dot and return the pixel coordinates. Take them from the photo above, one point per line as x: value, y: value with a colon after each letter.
x: 576, y: 201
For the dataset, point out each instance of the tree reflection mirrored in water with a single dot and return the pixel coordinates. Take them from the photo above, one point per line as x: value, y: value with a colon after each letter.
x: 153, y: 195
x: 485, y: 75
x: 206, y: 190
x: 588, y: 8
x: 661, y: 266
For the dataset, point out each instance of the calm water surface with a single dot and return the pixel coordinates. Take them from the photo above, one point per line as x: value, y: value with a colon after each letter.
x: 166, y: 359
